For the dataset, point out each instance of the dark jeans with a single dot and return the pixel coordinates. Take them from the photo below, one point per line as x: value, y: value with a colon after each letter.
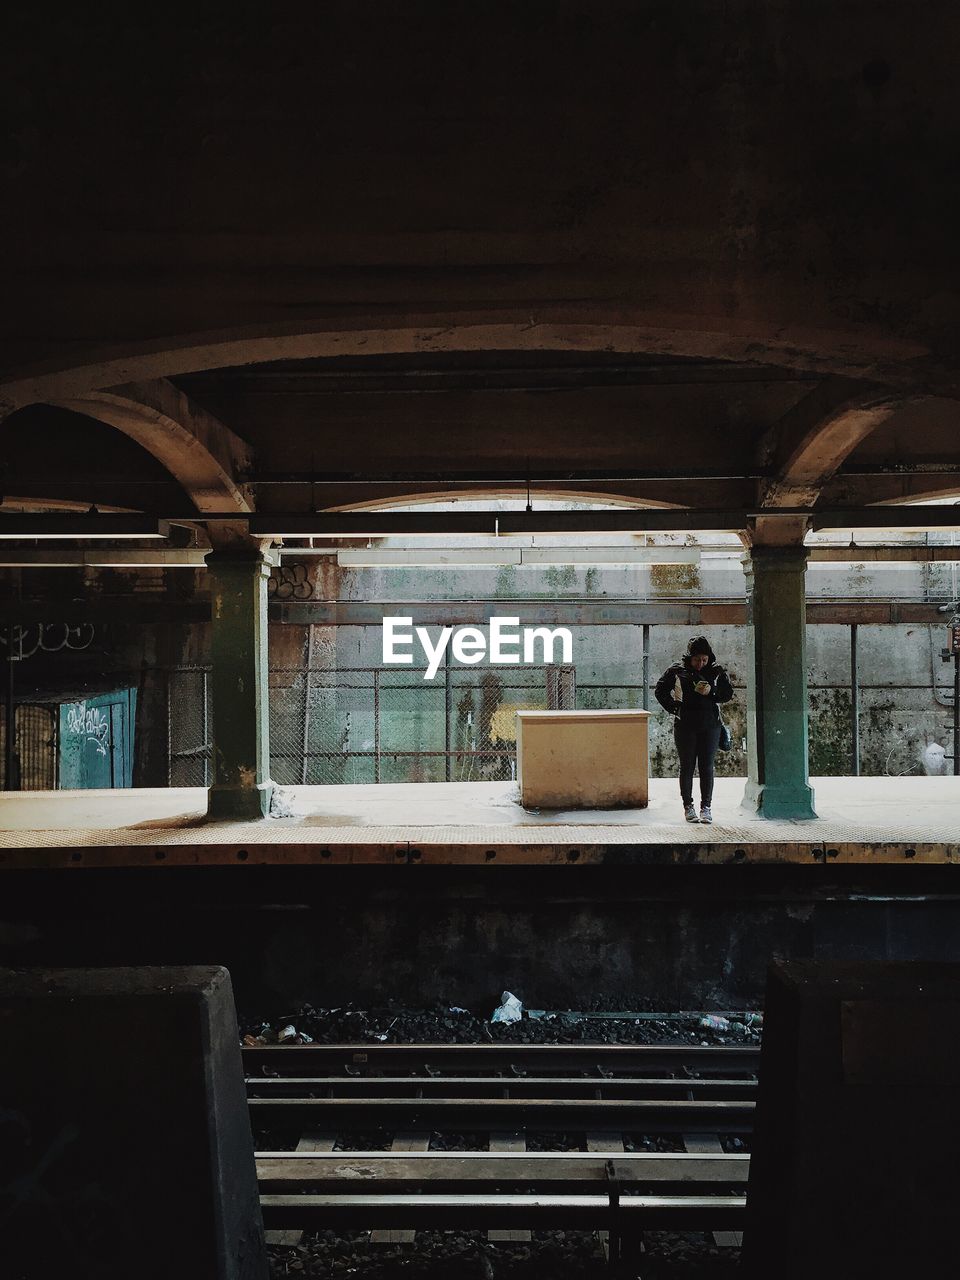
x: 697, y: 748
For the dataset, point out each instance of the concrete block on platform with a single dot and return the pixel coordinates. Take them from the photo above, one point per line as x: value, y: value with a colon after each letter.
x: 853, y: 1171
x: 583, y: 759
x: 125, y: 1141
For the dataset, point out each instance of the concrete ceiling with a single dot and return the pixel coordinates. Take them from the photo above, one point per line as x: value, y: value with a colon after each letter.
x: 689, y: 254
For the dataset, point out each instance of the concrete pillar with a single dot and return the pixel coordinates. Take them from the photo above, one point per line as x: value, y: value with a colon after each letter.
x: 778, y: 784
x: 125, y: 1142
x: 241, y: 730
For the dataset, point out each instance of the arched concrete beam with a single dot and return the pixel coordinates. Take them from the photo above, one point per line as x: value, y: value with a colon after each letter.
x: 859, y: 491
x: 463, y: 494
x: 854, y: 354
x: 207, y: 459
x: 44, y: 506
x: 809, y: 444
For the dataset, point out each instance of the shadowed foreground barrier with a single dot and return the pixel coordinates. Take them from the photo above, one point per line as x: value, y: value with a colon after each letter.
x: 125, y: 1143
x: 853, y: 1171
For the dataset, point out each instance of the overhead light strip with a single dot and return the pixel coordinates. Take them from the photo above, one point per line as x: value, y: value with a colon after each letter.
x: 108, y: 558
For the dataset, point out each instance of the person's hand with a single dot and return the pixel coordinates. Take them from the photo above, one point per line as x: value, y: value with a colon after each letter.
x: 702, y: 686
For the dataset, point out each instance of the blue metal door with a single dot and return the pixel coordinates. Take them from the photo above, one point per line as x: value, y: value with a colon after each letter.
x: 96, y: 741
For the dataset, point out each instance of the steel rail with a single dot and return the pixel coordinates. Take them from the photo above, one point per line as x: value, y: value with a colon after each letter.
x: 457, y: 1114
x: 424, y: 1059
x: 445, y: 1212
x: 480, y: 1087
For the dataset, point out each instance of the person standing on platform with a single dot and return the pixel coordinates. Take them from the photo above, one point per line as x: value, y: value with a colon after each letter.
x: 690, y: 691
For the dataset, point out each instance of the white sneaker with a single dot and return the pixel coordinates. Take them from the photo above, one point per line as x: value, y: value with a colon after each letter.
x: 706, y: 814
x: 690, y: 813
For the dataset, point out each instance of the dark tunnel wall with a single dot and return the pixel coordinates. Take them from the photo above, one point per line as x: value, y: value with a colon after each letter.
x: 562, y: 938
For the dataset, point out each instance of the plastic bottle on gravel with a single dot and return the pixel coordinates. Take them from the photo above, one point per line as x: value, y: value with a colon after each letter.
x: 715, y: 1022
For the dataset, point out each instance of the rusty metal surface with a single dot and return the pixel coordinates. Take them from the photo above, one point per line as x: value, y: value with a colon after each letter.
x: 49, y: 850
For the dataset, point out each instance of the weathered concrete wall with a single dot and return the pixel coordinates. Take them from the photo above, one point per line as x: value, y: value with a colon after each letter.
x: 562, y: 937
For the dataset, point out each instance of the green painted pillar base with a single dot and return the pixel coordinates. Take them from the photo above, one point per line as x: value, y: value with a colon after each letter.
x: 778, y: 784
x: 239, y: 804
x: 772, y: 801
x: 242, y: 788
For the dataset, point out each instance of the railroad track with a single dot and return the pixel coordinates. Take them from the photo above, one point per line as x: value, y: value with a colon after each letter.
x: 512, y: 1101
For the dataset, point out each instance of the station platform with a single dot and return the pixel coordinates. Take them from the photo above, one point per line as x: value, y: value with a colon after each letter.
x: 907, y: 821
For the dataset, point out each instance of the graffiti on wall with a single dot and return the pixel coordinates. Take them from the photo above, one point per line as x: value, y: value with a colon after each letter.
x: 290, y: 582
x: 47, y: 637
x: 89, y: 723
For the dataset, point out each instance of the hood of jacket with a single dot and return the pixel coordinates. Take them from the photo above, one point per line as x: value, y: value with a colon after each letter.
x: 711, y: 660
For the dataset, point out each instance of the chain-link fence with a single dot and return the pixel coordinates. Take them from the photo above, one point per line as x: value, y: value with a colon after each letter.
x: 189, y: 726
x: 362, y: 724
x: 372, y: 724
x: 32, y: 765
x: 378, y: 724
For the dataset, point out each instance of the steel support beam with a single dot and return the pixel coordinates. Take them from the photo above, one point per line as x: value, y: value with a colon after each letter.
x: 778, y: 784
x: 624, y: 519
x: 381, y: 524
x: 241, y: 734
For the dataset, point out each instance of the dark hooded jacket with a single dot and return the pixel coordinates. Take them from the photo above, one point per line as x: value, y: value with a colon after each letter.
x: 694, y: 710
